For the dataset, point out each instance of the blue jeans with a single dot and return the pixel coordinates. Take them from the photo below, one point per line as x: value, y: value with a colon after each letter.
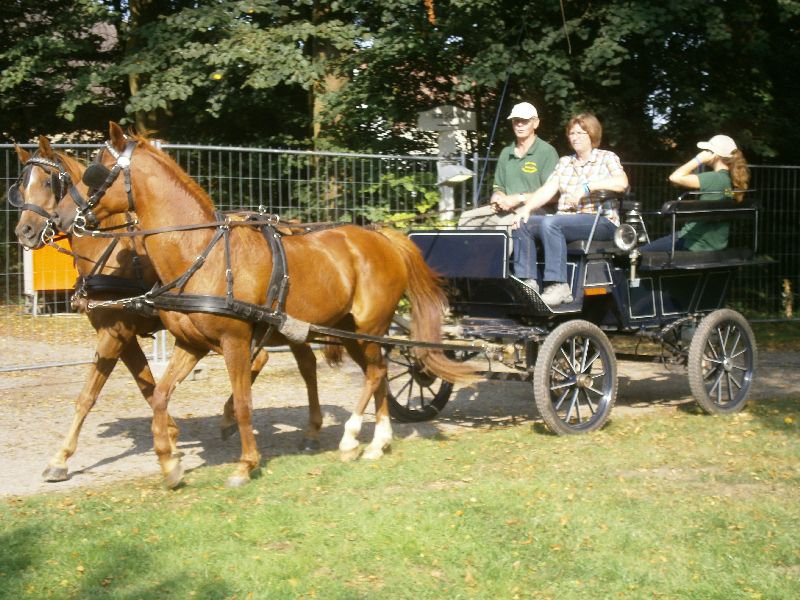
x: 555, y: 232
x: 664, y: 244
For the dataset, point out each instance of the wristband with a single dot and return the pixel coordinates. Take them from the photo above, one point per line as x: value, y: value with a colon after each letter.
x: 699, y: 163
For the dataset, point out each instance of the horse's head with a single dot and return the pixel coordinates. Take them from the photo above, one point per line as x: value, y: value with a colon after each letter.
x: 109, y: 173
x: 45, y: 179
x: 149, y: 175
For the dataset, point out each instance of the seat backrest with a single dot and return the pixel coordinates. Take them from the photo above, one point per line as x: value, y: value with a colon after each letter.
x: 741, y: 215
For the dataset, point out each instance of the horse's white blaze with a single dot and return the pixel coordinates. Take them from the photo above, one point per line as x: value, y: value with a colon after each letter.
x: 381, y: 440
x: 351, y: 430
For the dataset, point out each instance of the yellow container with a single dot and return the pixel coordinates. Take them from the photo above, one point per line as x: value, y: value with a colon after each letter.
x: 53, y: 270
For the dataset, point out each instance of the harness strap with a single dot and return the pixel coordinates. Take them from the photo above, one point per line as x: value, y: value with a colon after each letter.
x: 256, y: 313
x: 193, y: 268
x: 36, y: 209
x: 277, y: 290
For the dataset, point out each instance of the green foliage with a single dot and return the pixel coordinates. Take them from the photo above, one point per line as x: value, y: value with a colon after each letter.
x: 391, y: 188
x: 659, y: 75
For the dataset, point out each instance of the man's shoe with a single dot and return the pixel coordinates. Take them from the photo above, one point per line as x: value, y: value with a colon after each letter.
x: 557, y: 293
x: 531, y: 283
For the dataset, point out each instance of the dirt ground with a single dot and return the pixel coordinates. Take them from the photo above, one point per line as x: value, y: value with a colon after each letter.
x: 116, y: 442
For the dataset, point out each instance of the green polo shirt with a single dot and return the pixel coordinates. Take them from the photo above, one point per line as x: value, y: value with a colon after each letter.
x: 527, y: 174
x: 709, y: 235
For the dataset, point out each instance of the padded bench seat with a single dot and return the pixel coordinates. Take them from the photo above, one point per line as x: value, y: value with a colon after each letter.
x: 684, y: 259
x: 605, y: 247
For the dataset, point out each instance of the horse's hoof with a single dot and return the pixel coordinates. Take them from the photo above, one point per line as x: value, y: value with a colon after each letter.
x: 52, y: 473
x: 237, y: 481
x: 309, y: 446
x: 174, y: 477
x: 349, y: 455
x: 373, y: 454
x: 226, y: 432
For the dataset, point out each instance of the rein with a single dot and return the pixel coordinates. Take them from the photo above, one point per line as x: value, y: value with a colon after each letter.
x: 271, y: 313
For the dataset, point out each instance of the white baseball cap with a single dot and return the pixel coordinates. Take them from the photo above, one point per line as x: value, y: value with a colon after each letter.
x: 524, y: 110
x: 721, y: 145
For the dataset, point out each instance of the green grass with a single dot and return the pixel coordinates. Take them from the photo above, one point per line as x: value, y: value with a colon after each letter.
x: 782, y: 336
x: 667, y: 505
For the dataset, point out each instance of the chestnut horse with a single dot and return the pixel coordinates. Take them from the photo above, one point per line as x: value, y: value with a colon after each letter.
x: 117, y: 330
x: 348, y: 278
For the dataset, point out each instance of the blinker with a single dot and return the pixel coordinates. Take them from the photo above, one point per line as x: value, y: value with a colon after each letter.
x: 14, y: 196
x: 96, y: 175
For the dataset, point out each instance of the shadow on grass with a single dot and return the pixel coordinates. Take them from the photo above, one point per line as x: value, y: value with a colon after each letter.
x: 123, y: 569
x: 779, y: 414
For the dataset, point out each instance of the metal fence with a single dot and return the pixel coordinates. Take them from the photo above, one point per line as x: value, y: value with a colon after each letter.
x: 361, y: 188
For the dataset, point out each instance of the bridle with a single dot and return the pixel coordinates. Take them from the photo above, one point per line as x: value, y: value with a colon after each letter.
x: 61, y: 183
x: 60, y: 180
x: 99, y: 178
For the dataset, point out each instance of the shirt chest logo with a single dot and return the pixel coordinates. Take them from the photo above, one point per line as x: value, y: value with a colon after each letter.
x: 530, y: 166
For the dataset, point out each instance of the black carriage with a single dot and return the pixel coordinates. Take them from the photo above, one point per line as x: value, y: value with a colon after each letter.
x: 675, y: 300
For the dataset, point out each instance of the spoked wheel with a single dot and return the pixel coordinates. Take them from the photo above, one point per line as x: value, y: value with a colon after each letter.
x: 575, y: 378
x: 722, y: 360
x: 414, y: 394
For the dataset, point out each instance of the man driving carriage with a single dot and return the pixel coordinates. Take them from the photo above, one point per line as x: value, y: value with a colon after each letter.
x: 522, y: 168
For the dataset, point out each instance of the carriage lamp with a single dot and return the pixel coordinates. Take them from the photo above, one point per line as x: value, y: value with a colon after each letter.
x: 625, y: 238
x: 634, y: 218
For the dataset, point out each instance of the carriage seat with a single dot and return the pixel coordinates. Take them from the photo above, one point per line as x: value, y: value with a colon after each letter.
x: 743, y: 237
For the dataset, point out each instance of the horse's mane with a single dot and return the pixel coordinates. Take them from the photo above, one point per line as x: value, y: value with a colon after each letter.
x: 175, y: 171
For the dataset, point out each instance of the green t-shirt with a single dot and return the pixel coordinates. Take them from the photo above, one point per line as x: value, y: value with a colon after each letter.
x: 709, y: 235
x: 527, y: 174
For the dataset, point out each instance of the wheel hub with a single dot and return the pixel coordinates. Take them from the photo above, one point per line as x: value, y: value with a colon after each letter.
x: 421, y: 375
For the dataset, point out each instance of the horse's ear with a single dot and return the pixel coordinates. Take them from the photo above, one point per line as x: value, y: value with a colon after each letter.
x: 22, y: 154
x: 116, y: 136
x: 44, y: 146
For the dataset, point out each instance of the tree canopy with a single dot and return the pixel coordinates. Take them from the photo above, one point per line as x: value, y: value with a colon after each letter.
x: 354, y: 74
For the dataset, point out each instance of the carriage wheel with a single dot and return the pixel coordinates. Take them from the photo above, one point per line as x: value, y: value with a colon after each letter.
x: 722, y: 360
x: 415, y: 395
x: 575, y: 378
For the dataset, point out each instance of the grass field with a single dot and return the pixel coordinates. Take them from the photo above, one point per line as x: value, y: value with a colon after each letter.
x: 667, y: 505
x: 671, y: 504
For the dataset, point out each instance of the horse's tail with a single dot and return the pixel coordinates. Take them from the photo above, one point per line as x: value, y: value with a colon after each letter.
x: 428, y: 304
x: 333, y: 352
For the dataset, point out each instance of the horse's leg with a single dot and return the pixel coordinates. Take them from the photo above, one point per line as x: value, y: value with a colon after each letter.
x: 307, y: 364
x: 180, y: 365
x: 106, y: 353
x: 376, y: 376
x: 236, y: 351
x: 348, y: 446
x: 228, y: 425
x: 133, y: 357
